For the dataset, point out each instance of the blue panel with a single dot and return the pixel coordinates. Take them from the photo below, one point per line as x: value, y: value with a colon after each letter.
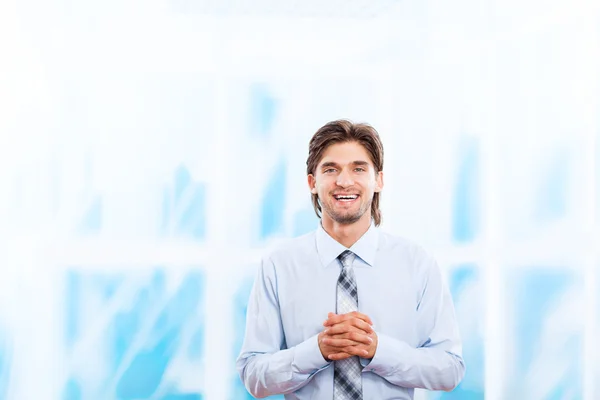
x: 167, y: 204
x: 534, y: 293
x: 305, y: 221
x: 5, y: 362
x: 196, y: 347
x: 181, y: 182
x: 109, y: 285
x: 92, y: 219
x: 466, y: 215
x: 72, y: 390
x: 537, y: 296
x: 55, y: 181
x: 462, y: 277
x: 192, y: 220
x: 263, y: 108
x: 72, y: 304
x: 126, y: 324
x: 144, y: 374
x: 144, y: 335
x: 189, y: 396
x: 273, y: 203
x: 465, y: 286
x: 551, y: 199
x: 184, y: 207
x: 240, y: 307
x: 460, y: 393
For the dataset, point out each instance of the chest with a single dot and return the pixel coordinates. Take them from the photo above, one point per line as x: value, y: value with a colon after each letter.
x: 388, y: 297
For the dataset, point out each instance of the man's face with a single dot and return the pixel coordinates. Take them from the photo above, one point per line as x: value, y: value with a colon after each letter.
x: 345, y: 181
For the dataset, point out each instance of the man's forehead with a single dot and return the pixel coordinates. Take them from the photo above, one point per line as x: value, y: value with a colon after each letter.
x: 346, y: 153
x: 338, y: 161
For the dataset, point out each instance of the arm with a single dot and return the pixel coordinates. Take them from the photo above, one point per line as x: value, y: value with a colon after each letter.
x: 265, y: 364
x: 436, y: 364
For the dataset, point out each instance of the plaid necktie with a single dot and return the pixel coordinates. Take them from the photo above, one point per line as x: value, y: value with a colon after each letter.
x: 347, y: 380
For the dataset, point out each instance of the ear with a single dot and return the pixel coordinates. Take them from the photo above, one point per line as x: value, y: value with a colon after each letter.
x: 312, y: 183
x: 379, y: 182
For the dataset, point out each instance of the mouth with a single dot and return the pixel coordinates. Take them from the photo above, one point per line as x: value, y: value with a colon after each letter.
x: 345, y: 198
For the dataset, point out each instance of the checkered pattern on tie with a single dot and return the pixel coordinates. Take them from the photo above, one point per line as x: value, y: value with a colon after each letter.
x: 347, y: 378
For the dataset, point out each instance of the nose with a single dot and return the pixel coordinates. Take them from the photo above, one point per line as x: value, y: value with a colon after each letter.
x: 344, y: 179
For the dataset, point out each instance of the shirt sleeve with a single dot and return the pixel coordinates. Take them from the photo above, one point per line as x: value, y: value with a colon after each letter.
x: 437, y: 363
x: 265, y: 364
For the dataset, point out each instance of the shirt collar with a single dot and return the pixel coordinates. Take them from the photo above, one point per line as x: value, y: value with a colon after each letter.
x: 365, y: 248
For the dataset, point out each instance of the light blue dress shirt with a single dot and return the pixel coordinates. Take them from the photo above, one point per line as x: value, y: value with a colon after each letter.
x: 400, y: 288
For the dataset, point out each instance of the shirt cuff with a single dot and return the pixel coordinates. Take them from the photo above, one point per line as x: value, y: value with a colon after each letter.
x: 388, y: 357
x: 308, y: 358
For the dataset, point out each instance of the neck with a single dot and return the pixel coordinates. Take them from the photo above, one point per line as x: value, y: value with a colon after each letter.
x: 346, y: 234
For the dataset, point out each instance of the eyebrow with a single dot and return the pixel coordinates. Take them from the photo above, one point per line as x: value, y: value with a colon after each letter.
x: 333, y: 164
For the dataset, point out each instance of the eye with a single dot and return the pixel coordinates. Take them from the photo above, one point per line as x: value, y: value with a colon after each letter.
x: 359, y: 169
x: 329, y: 170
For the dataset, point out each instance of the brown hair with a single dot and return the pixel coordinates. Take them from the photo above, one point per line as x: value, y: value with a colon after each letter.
x: 341, y: 131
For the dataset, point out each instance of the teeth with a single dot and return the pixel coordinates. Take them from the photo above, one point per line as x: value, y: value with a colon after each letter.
x: 346, y: 197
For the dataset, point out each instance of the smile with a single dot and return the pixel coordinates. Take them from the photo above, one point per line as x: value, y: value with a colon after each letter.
x: 345, y: 197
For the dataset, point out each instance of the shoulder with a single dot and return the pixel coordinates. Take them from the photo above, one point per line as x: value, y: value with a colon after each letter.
x: 389, y: 242
x: 409, y: 252
x: 286, y: 250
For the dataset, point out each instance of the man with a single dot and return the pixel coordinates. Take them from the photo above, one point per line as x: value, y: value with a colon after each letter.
x: 348, y: 311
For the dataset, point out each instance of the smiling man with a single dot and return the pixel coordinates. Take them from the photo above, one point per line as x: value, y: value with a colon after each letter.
x: 349, y: 311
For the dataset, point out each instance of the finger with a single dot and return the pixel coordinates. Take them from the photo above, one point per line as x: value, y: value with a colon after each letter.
x: 333, y: 319
x: 333, y: 342
x: 352, y: 350
x: 358, y: 337
x: 351, y: 339
x: 359, y: 315
x: 338, y: 356
x: 341, y: 328
x: 350, y: 325
x: 329, y: 316
x: 363, y: 317
x: 362, y: 325
x: 354, y: 335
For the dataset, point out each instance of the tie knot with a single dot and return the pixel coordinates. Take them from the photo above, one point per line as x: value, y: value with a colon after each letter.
x: 347, y: 258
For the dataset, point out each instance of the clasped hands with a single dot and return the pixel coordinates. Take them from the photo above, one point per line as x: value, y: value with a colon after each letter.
x: 347, y: 335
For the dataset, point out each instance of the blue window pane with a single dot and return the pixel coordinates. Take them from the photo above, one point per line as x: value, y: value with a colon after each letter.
x: 152, y: 323
x: 273, y: 203
x: 467, y: 192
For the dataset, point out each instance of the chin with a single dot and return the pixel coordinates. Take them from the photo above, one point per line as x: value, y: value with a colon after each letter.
x: 345, y: 219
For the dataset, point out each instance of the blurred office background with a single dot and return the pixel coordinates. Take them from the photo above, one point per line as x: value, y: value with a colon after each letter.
x: 150, y: 152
